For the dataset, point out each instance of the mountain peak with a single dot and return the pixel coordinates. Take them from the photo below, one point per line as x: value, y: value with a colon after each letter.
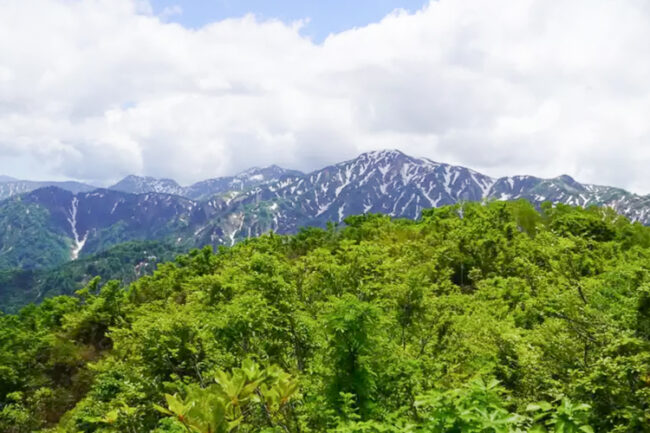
x: 569, y: 181
x: 382, y: 154
x: 382, y: 158
x: 396, y: 157
x: 135, y: 177
x: 142, y: 184
x: 566, y: 178
x: 271, y: 170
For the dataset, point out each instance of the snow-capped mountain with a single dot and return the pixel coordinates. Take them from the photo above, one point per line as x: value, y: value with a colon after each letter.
x: 564, y: 189
x: 67, y: 220
x: 207, y: 188
x: 399, y: 185
x: 140, y: 185
x: 240, y: 182
x: 388, y: 182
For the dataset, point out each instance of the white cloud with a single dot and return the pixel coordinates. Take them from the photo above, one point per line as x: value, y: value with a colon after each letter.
x: 98, y: 89
x: 170, y: 11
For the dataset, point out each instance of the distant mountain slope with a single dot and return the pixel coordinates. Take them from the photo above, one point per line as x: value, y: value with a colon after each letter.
x: 49, y: 226
x: 235, y: 184
x: 564, y: 189
x: 140, y: 185
x: 125, y: 262
x: 207, y: 188
x: 10, y: 187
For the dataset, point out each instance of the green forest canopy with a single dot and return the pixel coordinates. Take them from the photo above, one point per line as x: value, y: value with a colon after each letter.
x: 476, y: 318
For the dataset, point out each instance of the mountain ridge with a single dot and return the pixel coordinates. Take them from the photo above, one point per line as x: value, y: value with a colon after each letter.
x: 256, y: 176
x: 50, y: 225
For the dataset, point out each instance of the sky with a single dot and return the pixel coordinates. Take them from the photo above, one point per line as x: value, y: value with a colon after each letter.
x: 94, y: 90
x: 321, y: 18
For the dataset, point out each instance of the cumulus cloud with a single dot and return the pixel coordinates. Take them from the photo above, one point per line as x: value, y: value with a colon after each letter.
x: 97, y: 89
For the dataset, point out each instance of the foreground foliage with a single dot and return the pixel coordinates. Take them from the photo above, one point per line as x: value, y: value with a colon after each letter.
x: 477, y: 318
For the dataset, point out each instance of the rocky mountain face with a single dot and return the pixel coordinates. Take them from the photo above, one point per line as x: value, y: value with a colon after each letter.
x: 51, y: 225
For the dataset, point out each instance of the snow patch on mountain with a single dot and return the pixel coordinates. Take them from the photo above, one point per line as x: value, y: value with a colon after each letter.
x: 72, y: 219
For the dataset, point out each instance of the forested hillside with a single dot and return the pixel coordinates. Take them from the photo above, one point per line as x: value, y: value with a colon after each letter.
x: 125, y: 262
x: 475, y: 318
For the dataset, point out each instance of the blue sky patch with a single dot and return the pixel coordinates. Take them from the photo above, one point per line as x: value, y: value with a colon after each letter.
x: 325, y: 17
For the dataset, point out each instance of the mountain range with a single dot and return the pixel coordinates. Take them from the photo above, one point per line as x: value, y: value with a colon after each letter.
x: 45, y: 224
x: 207, y: 188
